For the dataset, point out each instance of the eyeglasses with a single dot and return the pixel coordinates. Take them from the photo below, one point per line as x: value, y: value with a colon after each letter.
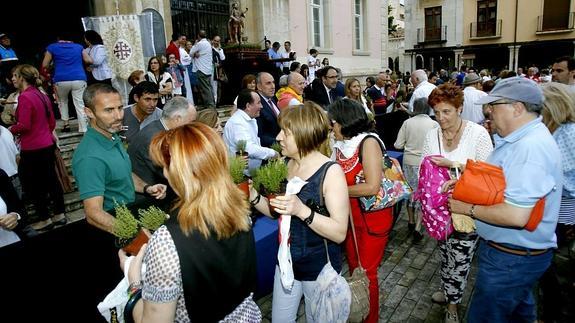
x: 491, y: 105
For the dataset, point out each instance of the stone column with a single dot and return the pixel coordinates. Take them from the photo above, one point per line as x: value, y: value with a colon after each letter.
x: 513, y: 57
x: 458, y: 53
x: 407, y: 62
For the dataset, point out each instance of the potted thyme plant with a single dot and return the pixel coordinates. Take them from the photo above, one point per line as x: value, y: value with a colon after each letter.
x: 127, y: 230
x: 271, y: 180
x: 241, y: 148
x: 237, y: 167
x: 277, y: 147
x: 152, y: 218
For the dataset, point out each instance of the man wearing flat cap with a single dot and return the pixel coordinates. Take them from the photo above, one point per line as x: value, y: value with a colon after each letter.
x: 471, y: 94
x: 512, y: 258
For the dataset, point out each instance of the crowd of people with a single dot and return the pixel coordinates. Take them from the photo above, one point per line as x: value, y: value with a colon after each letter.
x: 159, y: 149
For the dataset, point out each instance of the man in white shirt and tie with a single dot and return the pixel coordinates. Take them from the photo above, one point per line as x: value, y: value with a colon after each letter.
x: 243, y: 126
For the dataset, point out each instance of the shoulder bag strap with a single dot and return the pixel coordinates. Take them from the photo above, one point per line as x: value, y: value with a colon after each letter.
x: 439, y: 143
x: 383, y: 151
x: 326, y: 166
x: 354, y: 237
x: 41, y: 96
x: 350, y: 216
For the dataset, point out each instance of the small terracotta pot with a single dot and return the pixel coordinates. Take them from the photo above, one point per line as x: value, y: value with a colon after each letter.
x: 245, y: 187
x: 134, y: 246
x: 273, y: 213
x: 242, y: 153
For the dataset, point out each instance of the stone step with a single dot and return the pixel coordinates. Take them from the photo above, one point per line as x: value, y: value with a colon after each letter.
x: 65, y: 139
x: 72, y: 203
x: 67, y: 151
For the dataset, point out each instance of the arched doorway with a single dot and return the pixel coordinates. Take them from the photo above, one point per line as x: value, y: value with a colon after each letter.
x: 418, y: 61
x: 158, y: 31
x: 396, y: 64
x: 390, y: 64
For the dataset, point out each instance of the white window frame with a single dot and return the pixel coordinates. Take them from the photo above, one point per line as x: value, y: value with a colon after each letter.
x: 319, y: 6
x: 358, y: 36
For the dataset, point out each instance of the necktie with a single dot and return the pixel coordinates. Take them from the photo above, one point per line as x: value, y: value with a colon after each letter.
x: 331, y: 94
x: 273, y: 107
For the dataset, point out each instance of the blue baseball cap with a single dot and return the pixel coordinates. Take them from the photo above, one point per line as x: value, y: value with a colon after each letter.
x: 516, y: 88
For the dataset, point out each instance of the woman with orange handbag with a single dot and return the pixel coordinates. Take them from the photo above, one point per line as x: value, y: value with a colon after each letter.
x: 355, y: 138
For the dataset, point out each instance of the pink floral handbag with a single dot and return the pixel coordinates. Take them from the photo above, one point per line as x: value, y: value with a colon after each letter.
x: 435, y: 210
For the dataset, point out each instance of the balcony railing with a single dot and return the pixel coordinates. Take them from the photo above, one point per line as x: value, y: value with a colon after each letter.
x: 552, y: 23
x: 485, y: 29
x: 432, y: 35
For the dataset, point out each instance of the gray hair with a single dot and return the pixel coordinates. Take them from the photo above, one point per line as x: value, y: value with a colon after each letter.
x: 420, y: 75
x: 91, y: 91
x: 532, y: 107
x: 284, y: 80
x: 420, y: 106
x: 177, y: 106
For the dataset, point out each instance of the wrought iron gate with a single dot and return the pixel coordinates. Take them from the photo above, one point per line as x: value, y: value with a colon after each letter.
x: 189, y: 16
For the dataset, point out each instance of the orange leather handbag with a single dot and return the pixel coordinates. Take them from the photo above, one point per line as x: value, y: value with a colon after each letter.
x: 484, y: 184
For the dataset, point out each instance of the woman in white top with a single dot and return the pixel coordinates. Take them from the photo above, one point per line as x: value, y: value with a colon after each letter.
x: 157, y: 74
x: 456, y: 140
x: 410, y: 138
x: 352, y: 90
x: 99, y: 71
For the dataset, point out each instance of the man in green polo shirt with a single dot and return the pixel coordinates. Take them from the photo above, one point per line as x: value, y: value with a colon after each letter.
x: 101, y: 165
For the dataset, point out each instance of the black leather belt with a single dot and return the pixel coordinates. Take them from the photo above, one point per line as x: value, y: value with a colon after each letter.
x: 517, y: 252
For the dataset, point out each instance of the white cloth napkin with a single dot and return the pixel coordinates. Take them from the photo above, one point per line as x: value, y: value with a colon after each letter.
x: 112, y: 307
x: 294, y: 185
x: 348, y: 146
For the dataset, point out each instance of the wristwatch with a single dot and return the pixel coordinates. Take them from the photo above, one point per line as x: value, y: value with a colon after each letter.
x: 309, y: 219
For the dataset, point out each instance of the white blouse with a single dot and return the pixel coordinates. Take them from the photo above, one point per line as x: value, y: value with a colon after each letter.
x: 475, y: 144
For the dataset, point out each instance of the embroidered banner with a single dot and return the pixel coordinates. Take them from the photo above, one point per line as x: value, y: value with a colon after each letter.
x: 122, y: 38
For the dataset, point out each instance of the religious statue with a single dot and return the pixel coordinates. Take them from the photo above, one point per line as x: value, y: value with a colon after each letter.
x: 236, y: 23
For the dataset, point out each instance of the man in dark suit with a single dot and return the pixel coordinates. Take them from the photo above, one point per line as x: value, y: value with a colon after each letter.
x: 377, y: 93
x: 268, y: 127
x: 177, y: 112
x: 322, y: 89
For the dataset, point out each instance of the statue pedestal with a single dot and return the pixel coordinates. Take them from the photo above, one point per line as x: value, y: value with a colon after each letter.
x: 239, y: 62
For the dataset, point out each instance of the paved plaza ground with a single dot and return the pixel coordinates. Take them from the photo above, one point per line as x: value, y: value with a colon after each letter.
x: 408, y: 276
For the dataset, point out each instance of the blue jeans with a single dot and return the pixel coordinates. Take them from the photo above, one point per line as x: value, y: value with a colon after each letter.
x: 503, y: 286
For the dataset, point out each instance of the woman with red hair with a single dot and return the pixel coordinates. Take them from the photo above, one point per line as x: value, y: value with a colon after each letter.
x: 456, y: 140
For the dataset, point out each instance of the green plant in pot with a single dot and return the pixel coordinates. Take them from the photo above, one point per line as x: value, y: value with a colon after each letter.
x: 152, y: 218
x: 277, y: 147
x: 271, y: 180
x: 237, y: 166
x: 129, y: 235
x: 241, y: 148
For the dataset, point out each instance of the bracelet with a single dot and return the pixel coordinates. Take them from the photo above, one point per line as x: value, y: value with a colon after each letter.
x: 256, y: 200
x: 309, y: 219
x: 134, y: 287
x: 146, y: 188
x: 129, y: 309
x: 472, y: 211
